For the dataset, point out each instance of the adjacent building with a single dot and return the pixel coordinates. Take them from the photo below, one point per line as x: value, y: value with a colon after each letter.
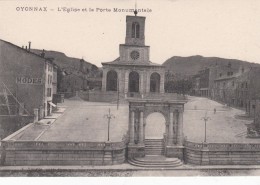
x: 27, y: 79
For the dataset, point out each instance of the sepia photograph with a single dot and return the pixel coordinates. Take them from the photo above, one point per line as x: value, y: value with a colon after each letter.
x: 129, y: 88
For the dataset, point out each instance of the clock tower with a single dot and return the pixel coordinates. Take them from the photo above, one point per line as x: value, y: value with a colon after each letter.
x: 132, y: 74
x: 134, y: 49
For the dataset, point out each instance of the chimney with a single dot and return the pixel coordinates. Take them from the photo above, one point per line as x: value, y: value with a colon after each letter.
x: 43, y: 53
x: 29, y: 46
x: 26, y: 48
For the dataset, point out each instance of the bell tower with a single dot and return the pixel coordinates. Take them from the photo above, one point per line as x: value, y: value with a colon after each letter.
x: 134, y: 50
x: 135, y: 27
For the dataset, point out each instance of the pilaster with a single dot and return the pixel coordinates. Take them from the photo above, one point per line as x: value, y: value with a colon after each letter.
x: 141, y: 128
x: 132, y: 127
x: 180, y: 127
x: 104, y: 80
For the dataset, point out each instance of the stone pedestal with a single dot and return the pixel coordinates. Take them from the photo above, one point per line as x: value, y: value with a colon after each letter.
x: 107, y: 159
x: 136, y: 151
x: 36, y: 115
x: 174, y: 151
x: 205, y: 154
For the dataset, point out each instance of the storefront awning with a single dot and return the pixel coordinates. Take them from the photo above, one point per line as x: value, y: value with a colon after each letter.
x: 52, y: 104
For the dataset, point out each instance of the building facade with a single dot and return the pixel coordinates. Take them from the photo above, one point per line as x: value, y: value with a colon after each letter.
x: 133, y: 74
x: 27, y: 78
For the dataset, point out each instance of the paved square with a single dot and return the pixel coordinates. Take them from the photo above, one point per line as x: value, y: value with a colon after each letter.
x: 85, y: 121
x: 221, y: 127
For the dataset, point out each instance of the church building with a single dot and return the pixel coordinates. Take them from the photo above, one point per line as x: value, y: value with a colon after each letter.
x: 133, y: 74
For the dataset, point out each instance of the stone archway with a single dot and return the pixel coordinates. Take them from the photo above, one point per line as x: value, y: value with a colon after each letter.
x: 112, y: 81
x: 172, y: 110
x: 155, y: 82
x: 133, y: 82
x: 155, y: 126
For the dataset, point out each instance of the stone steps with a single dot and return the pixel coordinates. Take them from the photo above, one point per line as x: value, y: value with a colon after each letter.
x: 154, y: 147
x: 155, y: 162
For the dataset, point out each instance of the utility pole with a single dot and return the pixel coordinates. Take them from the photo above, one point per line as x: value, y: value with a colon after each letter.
x: 205, y: 118
x: 109, y: 116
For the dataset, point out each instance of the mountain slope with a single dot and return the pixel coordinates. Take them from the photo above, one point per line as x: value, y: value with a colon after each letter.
x: 68, y: 63
x: 187, y: 66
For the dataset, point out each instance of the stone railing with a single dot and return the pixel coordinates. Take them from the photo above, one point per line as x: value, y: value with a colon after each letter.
x: 62, y: 153
x: 222, y: 153
x: 65, y: 145
x: 223, y: 146
x: 193, y: 145
x: 233, y: 146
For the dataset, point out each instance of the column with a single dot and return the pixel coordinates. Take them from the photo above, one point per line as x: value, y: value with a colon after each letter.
x: 132, y: 127
x: 104, y: 80
x: 180, y: 127
x: 147, y: 82
x: 170, y: 131
x: 141, y: 84
x: 141, y: 128
x: 162, y: 83
x: 126, y: 83
x: 119, y: 80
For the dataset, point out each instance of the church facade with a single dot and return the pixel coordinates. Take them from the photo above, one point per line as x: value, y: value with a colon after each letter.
x: 133, y: 74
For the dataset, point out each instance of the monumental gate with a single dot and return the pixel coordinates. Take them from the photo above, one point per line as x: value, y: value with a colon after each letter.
x: 172, y: 139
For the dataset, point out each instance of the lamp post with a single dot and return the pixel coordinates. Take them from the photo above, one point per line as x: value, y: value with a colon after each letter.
x: 109, y: 116
x: 205, y: 118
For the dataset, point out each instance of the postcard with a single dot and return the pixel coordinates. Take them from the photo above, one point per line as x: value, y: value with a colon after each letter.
x: 134, y: 88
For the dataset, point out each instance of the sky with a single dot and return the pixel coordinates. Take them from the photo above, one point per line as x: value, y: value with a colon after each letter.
x: 219, y: 28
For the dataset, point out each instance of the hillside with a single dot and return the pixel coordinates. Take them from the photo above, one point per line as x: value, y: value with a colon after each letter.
x: 68, y: 63
x: 191, y: 65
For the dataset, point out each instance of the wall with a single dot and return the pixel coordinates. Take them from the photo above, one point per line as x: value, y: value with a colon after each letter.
x: 61, y: 153
x: 16, y: 62
x: 98, y: 96
x: 222, y: 153
x: 10, y: 124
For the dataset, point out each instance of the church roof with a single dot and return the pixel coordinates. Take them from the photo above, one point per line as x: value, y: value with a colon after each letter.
x: 118, y: 62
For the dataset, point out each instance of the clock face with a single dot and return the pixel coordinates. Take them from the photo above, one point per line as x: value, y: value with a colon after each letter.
x: 134, y: 55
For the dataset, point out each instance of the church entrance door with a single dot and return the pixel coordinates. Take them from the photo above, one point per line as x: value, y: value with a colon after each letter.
x: 133, y: 82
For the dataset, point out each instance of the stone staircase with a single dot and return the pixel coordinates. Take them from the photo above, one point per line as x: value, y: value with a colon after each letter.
x: 154, y: 147
x: 154, y: 156
x: 160, y: 162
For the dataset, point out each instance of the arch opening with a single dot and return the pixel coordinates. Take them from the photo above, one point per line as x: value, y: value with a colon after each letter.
x: 135, y: 30
x: 111, y: 81
x: 133, y: 82
x: 155, y: 82
x: 155, y: 126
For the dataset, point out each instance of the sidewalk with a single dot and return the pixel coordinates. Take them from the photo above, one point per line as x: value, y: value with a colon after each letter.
x: 128, y: 167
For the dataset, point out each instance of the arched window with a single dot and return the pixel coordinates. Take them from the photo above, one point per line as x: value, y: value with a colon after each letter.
x: 112, y: 81
x: 135, y: 30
